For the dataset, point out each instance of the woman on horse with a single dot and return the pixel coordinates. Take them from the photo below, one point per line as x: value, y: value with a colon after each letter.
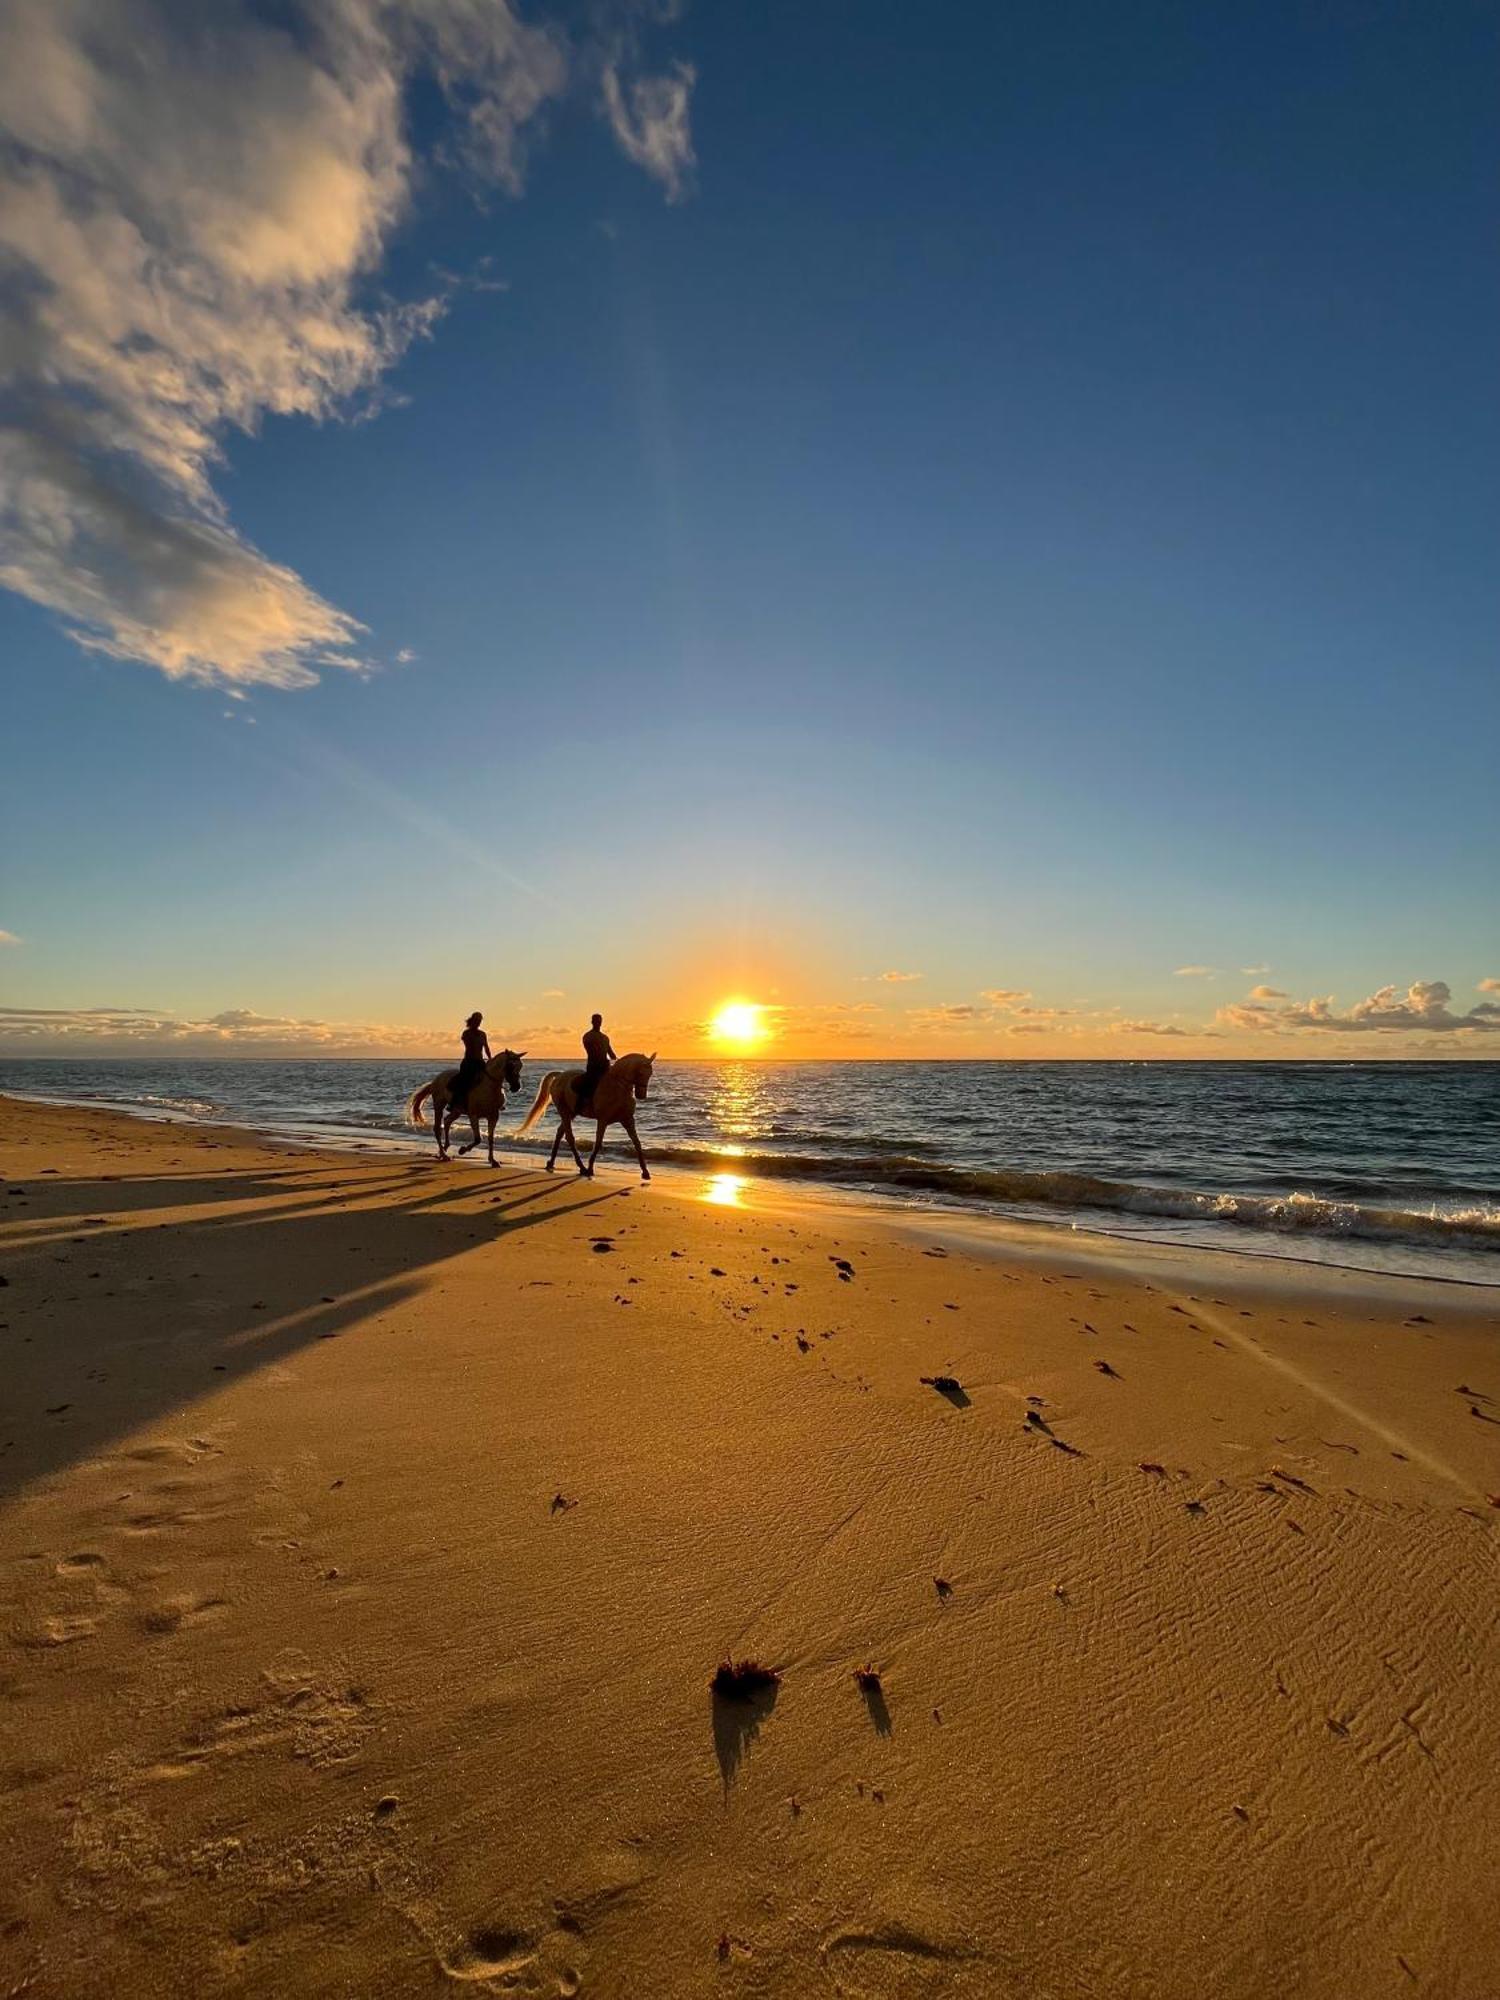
x: 476, y: 1055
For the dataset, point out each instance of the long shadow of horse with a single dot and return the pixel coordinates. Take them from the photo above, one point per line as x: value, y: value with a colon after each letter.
x: 269, y: 1260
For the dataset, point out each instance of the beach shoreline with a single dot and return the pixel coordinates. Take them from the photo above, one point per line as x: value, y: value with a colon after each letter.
x: 369, y: 1531
x: 1124, y: 1240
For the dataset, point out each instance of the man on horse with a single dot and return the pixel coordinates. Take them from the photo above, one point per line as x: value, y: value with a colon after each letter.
x: 596, y: 1046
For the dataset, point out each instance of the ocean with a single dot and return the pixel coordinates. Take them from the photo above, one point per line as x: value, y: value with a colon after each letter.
x: 1390, y: 1166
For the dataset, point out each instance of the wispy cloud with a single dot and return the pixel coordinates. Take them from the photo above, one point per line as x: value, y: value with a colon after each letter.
x: 898, y: 978
x: 61, y: 1031
x: 194, y: 202
x: 1268, y: 993
x: 1005, y: 996
x: 1424, y: 1007
x: 650, y: 118
x: 959, y: 1015
x: 1195, y: 972
x: 43, y: 1030
x: 1489, y: 986
x: 1254, y: 971
x: 8, y: 937
x: 1155, y: 1028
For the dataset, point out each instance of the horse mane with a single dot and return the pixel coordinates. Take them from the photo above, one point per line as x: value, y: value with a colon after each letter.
x: 628, y: 1065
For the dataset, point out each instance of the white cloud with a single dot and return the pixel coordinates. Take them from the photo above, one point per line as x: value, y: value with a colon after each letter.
x: 1254, y: 971
x: 554, y: 993
x: 1424, y: 1006
x: 1194, y: 972
x: 898, y: 978
x: 58, y: 1030
x: 8, y: 937
x: 1005, y: 996
x: 1152, y: 1028
x: 1268, y: 993
x: 649, y: 116
x: 193, y: 204
x: 1489, y: 986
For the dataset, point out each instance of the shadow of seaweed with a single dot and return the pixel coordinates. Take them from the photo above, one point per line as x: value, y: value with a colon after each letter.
x: 736, y: 1724
x: 875, y: 1704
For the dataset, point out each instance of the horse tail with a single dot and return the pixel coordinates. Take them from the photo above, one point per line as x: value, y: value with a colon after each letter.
x: 414, y: 1109
x: 538, y: 1109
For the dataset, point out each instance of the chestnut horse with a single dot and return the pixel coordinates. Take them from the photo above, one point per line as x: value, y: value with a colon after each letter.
x: 623, y: 1085
x: 486, y: 1100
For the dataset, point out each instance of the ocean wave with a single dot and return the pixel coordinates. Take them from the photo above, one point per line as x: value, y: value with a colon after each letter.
x: 1475, y: 1226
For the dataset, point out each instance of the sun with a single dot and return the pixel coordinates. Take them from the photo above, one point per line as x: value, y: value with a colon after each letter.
x: 738, y: 1024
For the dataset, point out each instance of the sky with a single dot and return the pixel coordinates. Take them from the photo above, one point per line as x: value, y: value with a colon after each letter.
x: 971, y: 530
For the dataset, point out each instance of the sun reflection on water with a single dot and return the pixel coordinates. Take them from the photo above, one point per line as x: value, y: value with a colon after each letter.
x: 725, y: 1190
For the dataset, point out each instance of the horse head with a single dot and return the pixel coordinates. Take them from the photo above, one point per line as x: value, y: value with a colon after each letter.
x: 505, y: 1069
x: 642, y: 1078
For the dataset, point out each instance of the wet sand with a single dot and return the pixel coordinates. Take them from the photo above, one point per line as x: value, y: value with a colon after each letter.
x: 370, y: 1532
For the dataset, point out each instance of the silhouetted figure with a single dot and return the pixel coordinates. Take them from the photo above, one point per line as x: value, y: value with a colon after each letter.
x: 476, y: 1055
x: 600, y: 1055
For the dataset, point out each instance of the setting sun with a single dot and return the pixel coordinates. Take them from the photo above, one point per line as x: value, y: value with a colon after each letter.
x: 738, y: 1024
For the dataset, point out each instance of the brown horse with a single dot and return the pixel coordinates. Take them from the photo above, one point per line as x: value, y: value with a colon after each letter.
x: 616, y: 1094
x: 486, y: 1100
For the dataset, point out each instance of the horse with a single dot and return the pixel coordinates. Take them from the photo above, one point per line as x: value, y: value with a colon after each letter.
x: 616, y: 1094
x: 486, y: 1100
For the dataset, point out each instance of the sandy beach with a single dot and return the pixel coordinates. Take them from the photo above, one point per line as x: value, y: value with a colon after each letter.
x: 370, y: 1532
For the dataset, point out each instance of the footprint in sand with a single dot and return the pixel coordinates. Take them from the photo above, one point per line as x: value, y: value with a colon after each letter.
x: 57, y: 1632
x: 493, y: 1951
x: 81, y: 1564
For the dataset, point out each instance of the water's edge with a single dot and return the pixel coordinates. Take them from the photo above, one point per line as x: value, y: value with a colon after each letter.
x: 1295, y: 1229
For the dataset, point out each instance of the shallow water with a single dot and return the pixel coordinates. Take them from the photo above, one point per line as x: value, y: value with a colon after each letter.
x: 1389, y: 1166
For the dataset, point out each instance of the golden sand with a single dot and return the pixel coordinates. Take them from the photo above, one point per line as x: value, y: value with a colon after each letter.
x: 370, y: 1532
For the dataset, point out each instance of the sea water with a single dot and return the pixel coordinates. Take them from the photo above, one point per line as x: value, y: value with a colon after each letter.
x: 1386, y: 1165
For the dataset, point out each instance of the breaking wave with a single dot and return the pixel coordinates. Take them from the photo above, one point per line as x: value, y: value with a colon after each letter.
x: 1475, y: 1226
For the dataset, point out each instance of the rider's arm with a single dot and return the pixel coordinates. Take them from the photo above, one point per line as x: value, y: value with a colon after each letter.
x: 484, y: 1043
x: 609, y: 1049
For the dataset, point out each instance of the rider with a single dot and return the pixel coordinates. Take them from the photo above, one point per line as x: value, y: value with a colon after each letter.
x: 600, y: 1055
x: 476, y: 1055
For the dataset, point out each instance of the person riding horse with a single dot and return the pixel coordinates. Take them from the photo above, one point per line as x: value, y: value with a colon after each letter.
x: 476, y: 1055
x: 596, y: 1047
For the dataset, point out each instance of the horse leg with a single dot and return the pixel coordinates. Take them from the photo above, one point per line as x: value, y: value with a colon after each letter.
x: 635, y: 1140
x: 601, y: 1126
x: 573, y: 1143
x: 473, y: 1118
x: 556, y: 1142
x: 490, y: 1122
x: 439, y: 1104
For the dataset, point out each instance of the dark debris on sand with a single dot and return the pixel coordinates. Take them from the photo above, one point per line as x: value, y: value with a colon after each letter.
x: 743, y: 1680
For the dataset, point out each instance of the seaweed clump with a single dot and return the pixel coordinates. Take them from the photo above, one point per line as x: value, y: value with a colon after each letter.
x: 743, y: 1680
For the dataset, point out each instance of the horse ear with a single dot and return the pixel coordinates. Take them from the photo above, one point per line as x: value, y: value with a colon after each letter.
x: 519, y: 1054
x: 652, y: 1057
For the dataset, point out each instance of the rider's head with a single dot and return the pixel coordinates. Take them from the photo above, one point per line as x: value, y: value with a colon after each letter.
x: 474, y: 1020
x: 597, y: 1019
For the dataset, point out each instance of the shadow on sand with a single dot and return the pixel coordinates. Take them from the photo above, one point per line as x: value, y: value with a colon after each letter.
x: 271, y: 1259
x: 736, y: 1724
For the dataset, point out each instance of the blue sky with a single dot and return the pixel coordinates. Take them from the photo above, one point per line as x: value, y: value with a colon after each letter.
x: 1005, y: 497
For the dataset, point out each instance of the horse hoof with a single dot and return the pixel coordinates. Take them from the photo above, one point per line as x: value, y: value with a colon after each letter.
x: 644, y: 1175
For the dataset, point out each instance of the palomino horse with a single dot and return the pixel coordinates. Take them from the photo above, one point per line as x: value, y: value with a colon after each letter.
x: 615, y: 1097
x: 486, y: 1100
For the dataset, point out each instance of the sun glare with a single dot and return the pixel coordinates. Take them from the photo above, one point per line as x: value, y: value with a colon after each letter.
x: 738, y: 1025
